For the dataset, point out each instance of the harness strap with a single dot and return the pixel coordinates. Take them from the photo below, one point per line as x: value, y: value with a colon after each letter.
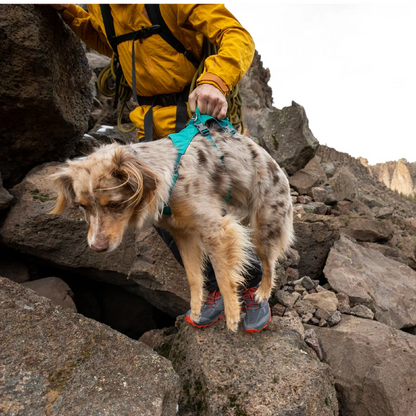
x: 183, y: 139
x: 158, y: 27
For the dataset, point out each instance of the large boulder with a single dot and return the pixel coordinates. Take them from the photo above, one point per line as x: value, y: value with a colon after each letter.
x: 285, y: 134
x: 45, y: 95
x: 142, y: 264
x: 387, y: 287
x: 373, y: 365
x: 56, y: 362
x: 269, y: 373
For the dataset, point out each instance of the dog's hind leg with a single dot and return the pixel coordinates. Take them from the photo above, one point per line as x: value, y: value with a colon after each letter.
x: 227, y: 243
x: 189, y: 245
x: 272, y: 236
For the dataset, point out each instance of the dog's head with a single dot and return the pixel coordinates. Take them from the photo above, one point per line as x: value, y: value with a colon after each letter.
x: 113, y: 188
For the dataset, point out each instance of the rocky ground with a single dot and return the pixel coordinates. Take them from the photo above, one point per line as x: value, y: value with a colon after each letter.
x: 342, y: 338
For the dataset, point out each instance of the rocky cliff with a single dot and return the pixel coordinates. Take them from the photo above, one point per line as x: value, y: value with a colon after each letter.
x: 399, y: 176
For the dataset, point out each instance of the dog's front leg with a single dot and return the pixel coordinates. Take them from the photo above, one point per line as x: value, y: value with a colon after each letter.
x: 227, y: 243
x: 189, y: 246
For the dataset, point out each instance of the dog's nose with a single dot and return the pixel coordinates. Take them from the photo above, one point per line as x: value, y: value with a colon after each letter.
x: 99, y: 247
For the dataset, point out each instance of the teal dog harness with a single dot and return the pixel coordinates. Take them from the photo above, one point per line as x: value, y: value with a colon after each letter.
x: 182, y: 140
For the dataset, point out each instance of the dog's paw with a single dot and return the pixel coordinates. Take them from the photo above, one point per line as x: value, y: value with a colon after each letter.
x: 232, y: 325
x: 195, y: 315
x: 262, y: 295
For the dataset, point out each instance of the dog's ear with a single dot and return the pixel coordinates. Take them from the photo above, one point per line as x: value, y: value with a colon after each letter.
x: 63, y: 183
x: 141, y: 179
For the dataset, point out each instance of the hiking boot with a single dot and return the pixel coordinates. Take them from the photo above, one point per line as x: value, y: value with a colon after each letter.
x: 258, y: 315
x: 212, y: 311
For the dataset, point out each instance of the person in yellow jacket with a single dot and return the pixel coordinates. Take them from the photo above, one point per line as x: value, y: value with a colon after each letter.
x: 160, y: 69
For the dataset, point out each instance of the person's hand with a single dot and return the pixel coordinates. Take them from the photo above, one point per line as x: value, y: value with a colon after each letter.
x: 209, y: 100
x: 57, y: 5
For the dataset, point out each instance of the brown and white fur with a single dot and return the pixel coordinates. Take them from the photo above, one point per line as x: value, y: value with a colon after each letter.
x: 120, y: 186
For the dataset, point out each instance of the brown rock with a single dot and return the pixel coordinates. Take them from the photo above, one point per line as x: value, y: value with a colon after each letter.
x: 304, y: 199
x: 312, y: 340
x: 287, y: 299
x: 278, y: 310
x: 322, y: 314
x: 54, y: 289
x: 369, y: 230
x: 375, y: 376
x: 325, y: 300
x: 362, y: 312
x: 319, y: 194
x: 303, y: 181
x: 343, y: 303
x: 292, y: 274
x: 344, y: 185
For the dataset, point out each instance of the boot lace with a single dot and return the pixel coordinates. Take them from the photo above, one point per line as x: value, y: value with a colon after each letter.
x: 212, y: 298
x: 249, y: 299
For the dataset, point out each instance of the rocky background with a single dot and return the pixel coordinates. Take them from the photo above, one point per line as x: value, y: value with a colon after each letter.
x: 83, y: 333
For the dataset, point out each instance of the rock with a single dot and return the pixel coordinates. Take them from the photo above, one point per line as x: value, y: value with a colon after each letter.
x: 97, y: 62
x: 285, y: 134
x: 142, y: 264
x: 319, y: 194
x: 322, y: 314
x: 318, y: 208
x: 270, y: 373
x: 362, y: 312
x: 335, y: 318
x: 386, y: 250
x: 307, y: 318
x: 5, y: 197
x: 292, y: 274
x: 278, y: 310
x: 54, y: 289
x: 160, y: 340
x: 329, y: 169
x: 304, y: 199
x: 344, y: 185
x: 375, y: 376
x: 372, y: 201
x: 313, y: 241
x: 362, y: 229
x: 387, y: 287
x: 287, y: 299
x: 308, y: 283
x: 303, y: 181
x: 342, y: 208
x: 304, y: 307
x: 45, y: 93
x: 383, y: 212
x: 56, y: 362
x: 343, y: 303
x: 322, y: 323
x: 312, y: 340
x: 325, y: 300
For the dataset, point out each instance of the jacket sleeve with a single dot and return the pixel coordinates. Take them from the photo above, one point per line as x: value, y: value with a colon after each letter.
x: 87, y: 28
x: 236, y: 46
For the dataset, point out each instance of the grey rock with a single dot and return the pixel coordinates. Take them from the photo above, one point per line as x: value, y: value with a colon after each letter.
x: 304, y: 307
x: 329, y: 169
x: 322, y: 314
x: 308, y: 283
x: 45, y: 93
x: 383, y: 212
x: 362, y: 312
x: 362, y: 229
x: 97, y: 62
x: 312, y: 340
x: 287, y: 299
x: 319, y: 194
x: 387, y: 287
x: 56, y: 362
x: 269, y: 373
x: 285, y: 134
x: 318, y: 208
x: 335, y: 318
x: 13, y: 269
x: 343, y: 303
x: 344, y: 185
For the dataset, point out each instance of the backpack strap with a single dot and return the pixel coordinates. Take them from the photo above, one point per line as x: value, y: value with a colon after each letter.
x: 155, y: 16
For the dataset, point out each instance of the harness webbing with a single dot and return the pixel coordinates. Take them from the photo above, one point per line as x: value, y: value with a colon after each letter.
x: 183, y: 139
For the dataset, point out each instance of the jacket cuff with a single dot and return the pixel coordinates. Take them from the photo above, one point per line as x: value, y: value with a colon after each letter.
x: 214, y: 80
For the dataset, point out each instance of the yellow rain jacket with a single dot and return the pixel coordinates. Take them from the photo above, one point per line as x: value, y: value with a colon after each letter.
x: 160, y: 69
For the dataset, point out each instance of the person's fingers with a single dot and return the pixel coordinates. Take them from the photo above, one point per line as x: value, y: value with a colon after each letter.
x: 222, y: 113
x: 192, y: 101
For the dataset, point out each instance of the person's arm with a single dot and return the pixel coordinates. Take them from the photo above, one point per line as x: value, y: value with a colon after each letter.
x: 81, y: 22
x: 224, y: 70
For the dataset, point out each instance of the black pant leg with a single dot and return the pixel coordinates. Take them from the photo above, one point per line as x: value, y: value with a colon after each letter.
x: 253, y: 275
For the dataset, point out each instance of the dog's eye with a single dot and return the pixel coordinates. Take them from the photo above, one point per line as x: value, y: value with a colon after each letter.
x: 114, y: 205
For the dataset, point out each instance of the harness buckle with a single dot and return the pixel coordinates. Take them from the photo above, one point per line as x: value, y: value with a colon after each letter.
x: 202, y: 128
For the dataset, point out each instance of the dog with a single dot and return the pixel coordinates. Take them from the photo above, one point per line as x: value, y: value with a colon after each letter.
x: 129, y: 185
